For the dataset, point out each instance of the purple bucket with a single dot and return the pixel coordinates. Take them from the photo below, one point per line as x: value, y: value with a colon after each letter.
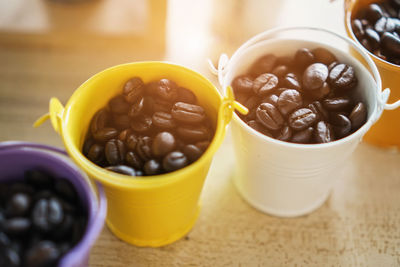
x: 17, y: 157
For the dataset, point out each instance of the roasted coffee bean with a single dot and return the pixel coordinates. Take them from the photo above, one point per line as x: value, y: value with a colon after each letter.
x: 390, y: 44
x: 302, y: 118
x: 87, y: 145
x: 163, y: 143
x: 16, y: 226
x: 385, y: 25
x: 243, y: 83
x: 285, y: 133
x: 43, y: 254
x: 264, y: 64
x: 162, y: 105
x: 192, y: 152
x: 187, y: 113
x: 357, y: 27
x: 137, y: 108
x: 185, y: 95
x: 319, y: 110
x: 341, y: 124
x: 9, y: 257
x: 123, y: 135
x: 96, y: 153
x: 142, y: 124
x: 269, y: 116
x: 152, y: 167
x: 121, y: 121
x: 122, y: 169
x: 203, y: 145
x: 259, y: 127
x: 167, y: 90
x: 133, y: 160
x: 323, y: 132
x: 241, y: 97
x: 342, y: 76
x: 38, y: 179
x: 174, y: 160
x: 373, y: 13
x: 47, y: 214
x: 304, y: 57
x: 100, y: 120
x: 18, y: 204
x: 115, y: 151
x: 336, y: 103
x: 304, y: 136
x: 323, y: 56
x: 133, y: 89
x: 63, y: 230
x: 193, y: 133
x: 280, y: 71
x: 118, y: 105
x: 358, y: 116
x: 252, y: 102
x: 373, y: 38
x: 289, y: 100
x: 66, y: 189
x: 163, y: 120
x: 272, y: 99
x: 291, y: 81
x: 105, y: 134
x: 131, y: 141
x: 143, y: 148
x: 320, y: 93
x: 265, y: 83
x: 315, y: 76
x: 148, y: 104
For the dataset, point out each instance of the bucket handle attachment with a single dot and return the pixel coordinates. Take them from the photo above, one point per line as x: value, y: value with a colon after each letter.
x: 56, y: 111
x: 384, y: 98
x: 228, y: 106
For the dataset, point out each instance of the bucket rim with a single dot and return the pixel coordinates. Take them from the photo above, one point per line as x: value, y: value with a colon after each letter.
x: 145, y: 182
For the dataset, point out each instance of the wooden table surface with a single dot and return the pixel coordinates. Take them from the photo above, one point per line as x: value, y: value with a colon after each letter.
x: 48, y: 49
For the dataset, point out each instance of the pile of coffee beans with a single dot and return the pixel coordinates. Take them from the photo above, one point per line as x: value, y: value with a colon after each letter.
x: 377, y: 28
x: 40, y: 220
x: 149, y: 129
x: 308, y: 98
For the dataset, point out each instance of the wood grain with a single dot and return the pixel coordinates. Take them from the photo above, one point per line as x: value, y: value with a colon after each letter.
x: 359, y: 225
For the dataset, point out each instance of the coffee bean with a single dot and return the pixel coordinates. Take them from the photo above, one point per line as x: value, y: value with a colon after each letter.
x: 193, y: 133
x: 121, y: 121
x: 122, y: 169
x: 17, y: 226
x: 241, y: 97
x: 115, y: 151
x: 265, y: 83
x: 86, y: 146
x: 142, y: 124
x: 174, y: 160
x: 336, y: 103
x: 9, y: 257
x: 373, y: 38
x: 243, y: 83
x: 137, y: 108
x: 302, y: 118
x: 318, y: 109
x: 285, y: 133
x: 323, y: 56
x: 259, y: 127
x: 18, y: 205
x: 203, y: 145
x: 105, y: 134
x: 269, y: 116
x: 162, y: 105
x: 133, y: 89
x: 357, y: 28
x: 390, y: 44
x: 252, y: 102
x: 384, y: 25
x: 342, y: 76
x: 315, y: 76
x: 358, y: 116
x: 131, y: 141
x: 133, y: 160
x: 167, y: 90
x: 164, y: 142
x: 118, y: 105
x: 280, y: 71
x: 65, y: 189
x: 304, y: 57
x: 289, y: 100
x: 323, y: 132
x: 192, y: 152
x: 43, y: 254
x: 38, y: 179
x: 96, y: 153
x: 148, y: 104
x: 100, y: 120
x: 272, y: 99
x: 143, y: 148
x: 320, y: 93
x: 291, y: 81
x: 341, y: 124
x: 187, y: 113
x: 185, y: 95
x: 152, y: 167
x: 163, y: 120
x: 303, y: 137
x: 264, y: 64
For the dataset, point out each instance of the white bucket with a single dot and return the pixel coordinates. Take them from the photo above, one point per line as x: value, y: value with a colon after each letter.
x: 288, y: 179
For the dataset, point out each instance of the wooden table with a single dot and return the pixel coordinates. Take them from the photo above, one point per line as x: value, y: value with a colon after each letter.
x: 359, y: 225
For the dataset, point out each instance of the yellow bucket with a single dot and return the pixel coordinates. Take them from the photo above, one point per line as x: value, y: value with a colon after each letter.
x: 386, y: 131
x: 144, y: 211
